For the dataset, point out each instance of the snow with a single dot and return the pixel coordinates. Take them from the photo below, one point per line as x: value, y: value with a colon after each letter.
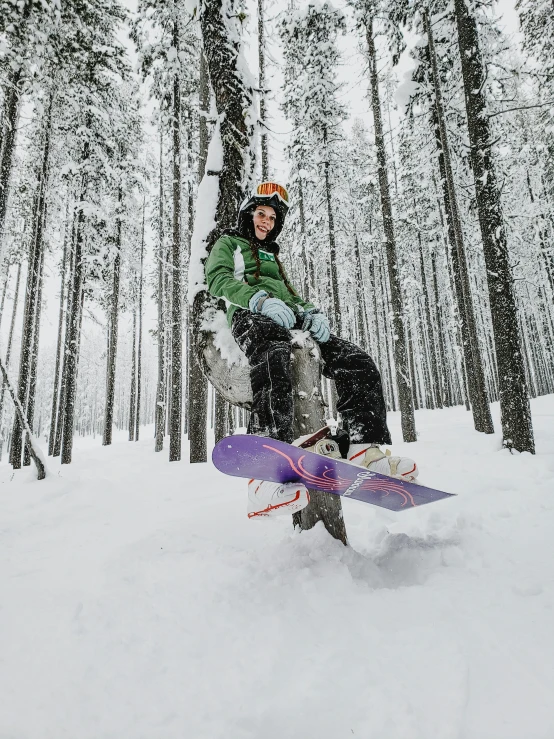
x: 204, y: 219
x: 406, y: 90
x: 224, y: 341
x: 139, y: 601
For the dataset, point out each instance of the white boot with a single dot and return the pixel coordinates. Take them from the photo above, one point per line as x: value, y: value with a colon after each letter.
x: 370, y: 456
x: 276, y: 498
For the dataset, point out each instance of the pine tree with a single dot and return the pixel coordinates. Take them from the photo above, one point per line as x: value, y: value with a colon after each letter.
x: 474, y: 365
x: 514, y: 400
x: 170, y: 64
x: 25, y: 29
x: 309, y: 37
x: 367, y: 11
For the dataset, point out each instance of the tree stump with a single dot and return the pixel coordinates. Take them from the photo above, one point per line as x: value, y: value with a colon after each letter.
x: 227, y: 369
x: 309, y: 416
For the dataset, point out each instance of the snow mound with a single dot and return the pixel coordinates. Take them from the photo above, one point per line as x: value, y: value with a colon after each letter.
x: 139, y: 601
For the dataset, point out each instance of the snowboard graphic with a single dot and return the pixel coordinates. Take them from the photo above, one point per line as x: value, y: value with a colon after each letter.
x: 259, y: 457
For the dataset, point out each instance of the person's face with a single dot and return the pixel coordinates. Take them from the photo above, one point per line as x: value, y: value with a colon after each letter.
x: 264, y: 221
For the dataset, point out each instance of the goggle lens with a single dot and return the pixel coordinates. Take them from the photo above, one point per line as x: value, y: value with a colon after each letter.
x: 266, y: 189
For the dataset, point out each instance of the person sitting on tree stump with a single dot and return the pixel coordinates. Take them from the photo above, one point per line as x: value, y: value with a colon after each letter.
x: 263, y: 307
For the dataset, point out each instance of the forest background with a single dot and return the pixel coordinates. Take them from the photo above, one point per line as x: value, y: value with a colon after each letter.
x: 426, y: 235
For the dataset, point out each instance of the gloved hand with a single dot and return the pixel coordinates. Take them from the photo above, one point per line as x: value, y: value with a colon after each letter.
x: 317, y: 324
x: 272, y: 308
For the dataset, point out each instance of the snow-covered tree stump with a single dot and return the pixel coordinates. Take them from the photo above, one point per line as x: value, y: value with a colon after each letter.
x: 230, y: 375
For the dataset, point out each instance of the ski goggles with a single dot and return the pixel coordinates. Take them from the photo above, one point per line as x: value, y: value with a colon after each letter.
x: 268, y: 189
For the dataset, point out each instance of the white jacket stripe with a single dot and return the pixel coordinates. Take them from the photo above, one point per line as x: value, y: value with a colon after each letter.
x: 239, y: 264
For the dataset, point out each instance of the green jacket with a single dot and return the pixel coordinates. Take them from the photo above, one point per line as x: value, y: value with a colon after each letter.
x: 230, y: 271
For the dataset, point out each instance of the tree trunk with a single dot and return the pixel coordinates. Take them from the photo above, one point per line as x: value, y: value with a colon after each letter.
x: 9, y: 350
x: 446, y: 398
x: 29, y: 440
x: 176, y: 307
x: 160, y: 388
x: 34, y: 278
x: 361, y: 310
x: 33, y: 365
x: 261, y: 60
x: 113, y: 323
x: 139, y: 343
x: 336, y: 318
x: 4, y: 290
x: 411, y: 366
x: 68, y: 308
x: 197, y: 382
x: 515, y: 410
x: 309, y: 416
x: 11, y: 115
x: 74, y: 323
x: 474, y: 362
x: 220, y: 421
x: 434, y: 370
x: 309, y: 281
x: 55, y: 392
x: 399, y: 336
x: 133, y: 391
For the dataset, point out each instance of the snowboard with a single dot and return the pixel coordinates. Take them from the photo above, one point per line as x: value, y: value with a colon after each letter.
x: 262, y: 458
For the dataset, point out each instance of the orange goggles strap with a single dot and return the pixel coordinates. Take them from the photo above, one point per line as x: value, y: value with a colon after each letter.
x: 266, y: 189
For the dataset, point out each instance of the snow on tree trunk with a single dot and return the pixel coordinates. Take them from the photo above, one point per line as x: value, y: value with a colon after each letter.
x: 515, y: 410
x: 405, y: 398
x: 229, y: 163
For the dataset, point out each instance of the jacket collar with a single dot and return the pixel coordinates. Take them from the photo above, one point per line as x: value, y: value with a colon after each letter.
x: 270, y: 246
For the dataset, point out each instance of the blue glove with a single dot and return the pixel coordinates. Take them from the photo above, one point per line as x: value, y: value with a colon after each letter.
x: 318, y: 325
x: 272, y: 308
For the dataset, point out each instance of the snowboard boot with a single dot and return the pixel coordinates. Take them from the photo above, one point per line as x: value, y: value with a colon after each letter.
x: 275, y: 498
x: 322, y: 442
x: 370, y: 456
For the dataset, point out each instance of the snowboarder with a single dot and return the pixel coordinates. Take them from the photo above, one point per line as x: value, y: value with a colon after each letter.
x: 262, y: 308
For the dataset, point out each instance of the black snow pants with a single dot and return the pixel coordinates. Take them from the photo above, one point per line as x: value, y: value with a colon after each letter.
x: 268, y: 349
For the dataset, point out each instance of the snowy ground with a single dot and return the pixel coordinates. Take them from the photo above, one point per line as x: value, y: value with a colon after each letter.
x: 138, y: 601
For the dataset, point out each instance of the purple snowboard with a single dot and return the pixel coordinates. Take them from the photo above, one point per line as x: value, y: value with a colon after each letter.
x: 262, y: 458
